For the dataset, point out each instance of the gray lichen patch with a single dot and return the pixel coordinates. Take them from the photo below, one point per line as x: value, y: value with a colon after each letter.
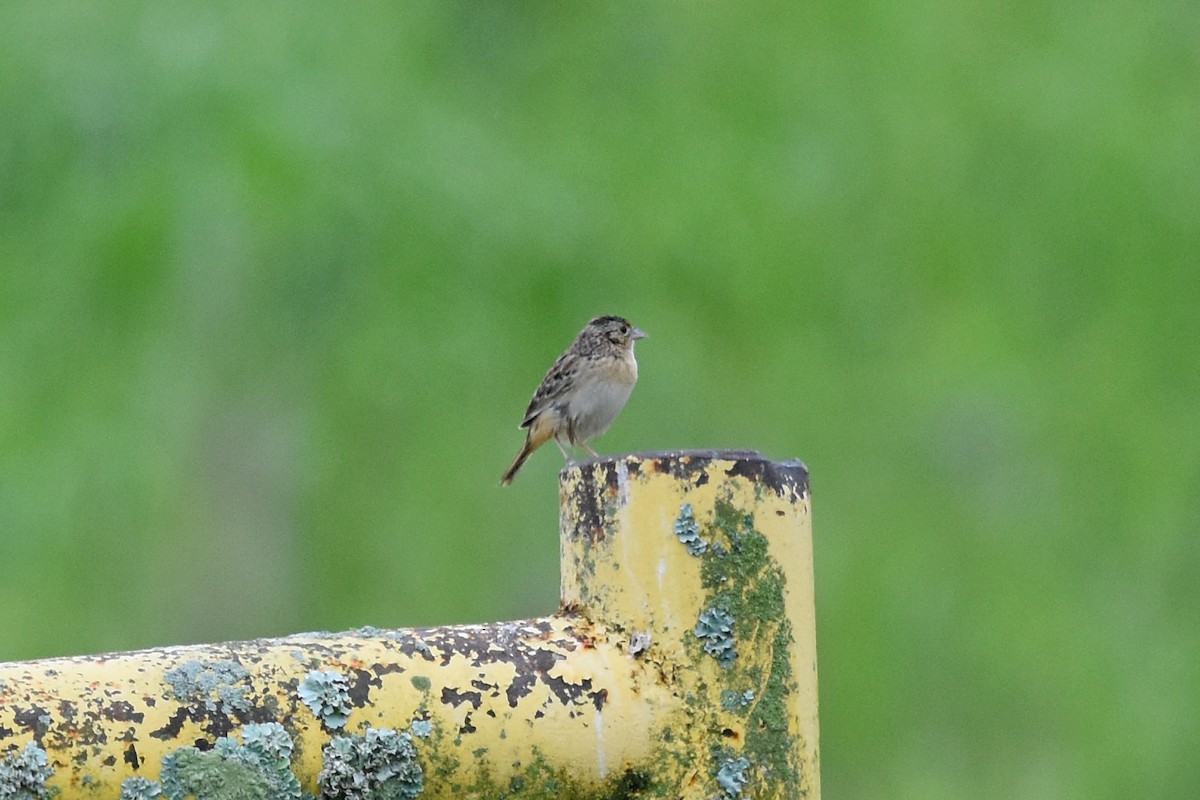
x: 715, y: 630
x: 139, y: 788
x: 731, y: 776
x: 24, y: 772
x: 214, y: 685
x: 380, y: 764
x: 687, y: 530
x: 327, y: 695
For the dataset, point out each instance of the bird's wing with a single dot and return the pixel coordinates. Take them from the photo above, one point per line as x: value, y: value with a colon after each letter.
x: 557, y: 383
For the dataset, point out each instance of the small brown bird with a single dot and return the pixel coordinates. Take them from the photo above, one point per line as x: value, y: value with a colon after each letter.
x: 584, y: 390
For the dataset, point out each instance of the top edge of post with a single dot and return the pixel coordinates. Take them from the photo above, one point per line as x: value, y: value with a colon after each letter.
x: 784, y: 477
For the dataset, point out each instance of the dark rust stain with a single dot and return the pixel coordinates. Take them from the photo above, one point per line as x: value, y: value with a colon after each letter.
x: 454, y: 698
x: 122, y: 711
x: 467, y: 727
x: 360, y: 690
x: 599, y: 698
x: 109, y: 761
x: 568, y: 693
x: 30, y: 720
x: 131, y: 757
x: 174, y: 725
x: 521, y: 686
x: 788, y: 479
x: 598, y: 478
x: 586, y: 502
x: 384, y: 669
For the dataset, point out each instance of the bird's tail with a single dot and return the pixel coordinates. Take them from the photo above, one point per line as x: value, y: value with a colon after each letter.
x: 526, y: 449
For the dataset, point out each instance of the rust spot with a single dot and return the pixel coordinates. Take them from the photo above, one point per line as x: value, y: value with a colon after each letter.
x: 110, y: 761
x: 131, y: 757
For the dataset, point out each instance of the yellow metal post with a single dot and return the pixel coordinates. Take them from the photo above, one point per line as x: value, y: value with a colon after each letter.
x: 681, y: 664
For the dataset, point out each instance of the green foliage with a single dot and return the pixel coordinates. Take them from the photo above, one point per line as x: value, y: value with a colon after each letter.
x: 275, y: 289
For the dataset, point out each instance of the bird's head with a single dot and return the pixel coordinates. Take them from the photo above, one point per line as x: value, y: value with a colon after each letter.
x: 615, y: 330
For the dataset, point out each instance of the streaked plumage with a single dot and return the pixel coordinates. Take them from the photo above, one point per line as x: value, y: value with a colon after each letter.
x: 584, y: 391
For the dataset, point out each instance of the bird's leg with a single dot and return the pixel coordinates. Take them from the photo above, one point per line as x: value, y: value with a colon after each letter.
x: 587, y: 447
x: 563, y: 450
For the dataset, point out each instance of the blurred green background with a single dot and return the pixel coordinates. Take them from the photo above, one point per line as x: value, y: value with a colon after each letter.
x: 277, y: 281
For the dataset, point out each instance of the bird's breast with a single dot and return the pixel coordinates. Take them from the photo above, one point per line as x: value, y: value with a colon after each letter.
x: 600, y: 396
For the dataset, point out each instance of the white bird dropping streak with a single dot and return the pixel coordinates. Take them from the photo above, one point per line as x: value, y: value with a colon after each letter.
x: 600, y: 745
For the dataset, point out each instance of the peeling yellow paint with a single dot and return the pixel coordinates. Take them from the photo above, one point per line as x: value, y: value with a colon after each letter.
x: 618, y: 695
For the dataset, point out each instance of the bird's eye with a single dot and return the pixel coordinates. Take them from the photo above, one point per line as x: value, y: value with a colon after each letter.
x: 624, y: 329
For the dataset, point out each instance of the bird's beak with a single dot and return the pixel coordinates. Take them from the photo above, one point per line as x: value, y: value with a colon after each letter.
x: 637, y: 333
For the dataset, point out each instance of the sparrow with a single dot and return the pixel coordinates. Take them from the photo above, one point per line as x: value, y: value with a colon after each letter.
x: 583, y: 392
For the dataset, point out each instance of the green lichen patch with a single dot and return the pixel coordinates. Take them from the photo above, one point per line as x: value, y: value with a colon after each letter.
x: 209, y: 775
x: 259, y: 768
x: 745, y: 609
x: 538, y: 779
x: 24, y: 772
x: 381, y: 764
